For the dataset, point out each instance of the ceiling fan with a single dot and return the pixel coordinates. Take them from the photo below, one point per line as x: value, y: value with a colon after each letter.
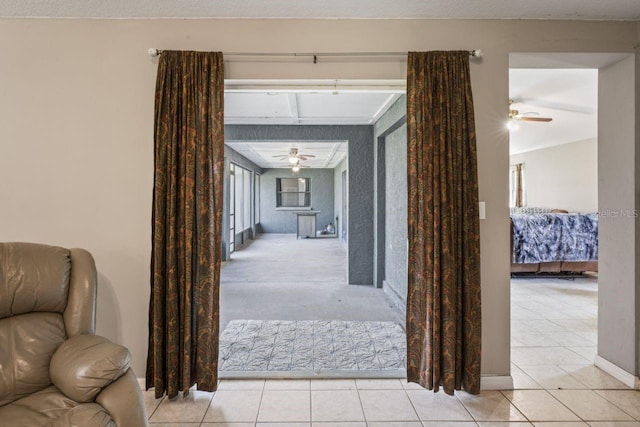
x: 530, y: 116
x: 295, y: 168
x: 294, y: 165
x: 294, y: 157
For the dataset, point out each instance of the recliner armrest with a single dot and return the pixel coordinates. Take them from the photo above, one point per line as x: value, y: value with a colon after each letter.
x: 85, y: 364
x: 124, y: 401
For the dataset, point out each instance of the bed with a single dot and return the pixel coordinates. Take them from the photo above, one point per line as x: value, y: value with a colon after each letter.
x: 545, y: 241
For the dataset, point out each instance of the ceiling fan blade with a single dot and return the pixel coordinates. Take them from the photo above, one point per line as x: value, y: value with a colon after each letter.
x: 572, y: 108
x: 282, y: 157
x: 534, y: 119
x: 306, y: 155
x: 290, y: 166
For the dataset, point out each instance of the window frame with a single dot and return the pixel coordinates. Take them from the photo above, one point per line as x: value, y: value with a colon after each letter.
x: 307, y: 194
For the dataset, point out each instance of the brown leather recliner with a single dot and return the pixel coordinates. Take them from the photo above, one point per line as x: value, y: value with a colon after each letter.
x: 53, y: 370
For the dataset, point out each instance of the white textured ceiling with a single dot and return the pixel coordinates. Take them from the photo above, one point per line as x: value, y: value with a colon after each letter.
x: 433, y: 9
x: 286, y: 107
x: 569, y: 96
x: 328, y: 154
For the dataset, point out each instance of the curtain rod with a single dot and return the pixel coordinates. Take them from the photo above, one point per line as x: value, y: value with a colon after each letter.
x: 476, y: 53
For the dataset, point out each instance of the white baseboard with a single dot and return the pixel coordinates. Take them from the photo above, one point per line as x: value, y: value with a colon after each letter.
x: 618, y: 373
x: 503, y: 382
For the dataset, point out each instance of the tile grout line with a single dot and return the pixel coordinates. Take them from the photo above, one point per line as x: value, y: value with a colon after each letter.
x: 570, y: 410
x: 614, y: 404
x: 364, y: 415
x: 264, y: 386
x: 412, y: 404
x: 209, y: 405
x: 310, y: 405
x: 518, y: 409
x: 457, y: 396
x: 157, y: 406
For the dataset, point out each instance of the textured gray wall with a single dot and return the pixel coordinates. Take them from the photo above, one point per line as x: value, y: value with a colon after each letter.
x: 390, y: 128
x: 360, y: 170
x: 278, y: 220
x: 360, y: 216
x: 395, y: 281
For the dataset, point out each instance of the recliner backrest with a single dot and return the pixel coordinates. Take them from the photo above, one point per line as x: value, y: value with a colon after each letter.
x: 47, y: 294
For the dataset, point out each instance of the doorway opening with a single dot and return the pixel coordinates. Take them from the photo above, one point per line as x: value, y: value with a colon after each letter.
x: 556, y: 218
x: 290, y: 304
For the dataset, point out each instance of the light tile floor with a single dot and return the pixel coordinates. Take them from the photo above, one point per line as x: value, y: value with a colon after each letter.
x: 553, y: 345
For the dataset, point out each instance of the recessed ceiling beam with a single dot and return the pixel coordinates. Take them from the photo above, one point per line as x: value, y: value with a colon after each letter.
x: 293, y: 106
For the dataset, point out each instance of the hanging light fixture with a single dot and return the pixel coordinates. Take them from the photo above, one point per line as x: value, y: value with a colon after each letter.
x: 295, y: 168
x: 293, y: 156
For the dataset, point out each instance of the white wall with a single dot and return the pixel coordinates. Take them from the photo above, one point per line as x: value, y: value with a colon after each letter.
x: 618, y: 222
x: 76, y: 130
x: 562, y: 177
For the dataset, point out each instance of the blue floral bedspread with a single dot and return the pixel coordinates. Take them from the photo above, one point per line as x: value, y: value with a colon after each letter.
x: 555, y: 237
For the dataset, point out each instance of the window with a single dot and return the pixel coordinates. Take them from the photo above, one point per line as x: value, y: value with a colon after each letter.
x: 241, y: 198
x: 244, y: 186
x: 232, y: 209
x: 256, y: 203
x: 293, y: 192
x: 246, y: 198
x: 516, y: 185
x: 239, y: 213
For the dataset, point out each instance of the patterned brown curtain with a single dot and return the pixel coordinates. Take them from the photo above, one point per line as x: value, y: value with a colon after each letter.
x: 443, y: 303
x: 187, y: 221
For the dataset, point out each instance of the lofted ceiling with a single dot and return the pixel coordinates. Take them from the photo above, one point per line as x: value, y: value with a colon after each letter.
x: 414, y: 9
x: 569, y: 96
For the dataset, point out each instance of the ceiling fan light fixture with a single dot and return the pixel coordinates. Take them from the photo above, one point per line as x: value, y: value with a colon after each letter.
x: 515, y: 115
x: 295, y: 168
x: 293, y: 160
